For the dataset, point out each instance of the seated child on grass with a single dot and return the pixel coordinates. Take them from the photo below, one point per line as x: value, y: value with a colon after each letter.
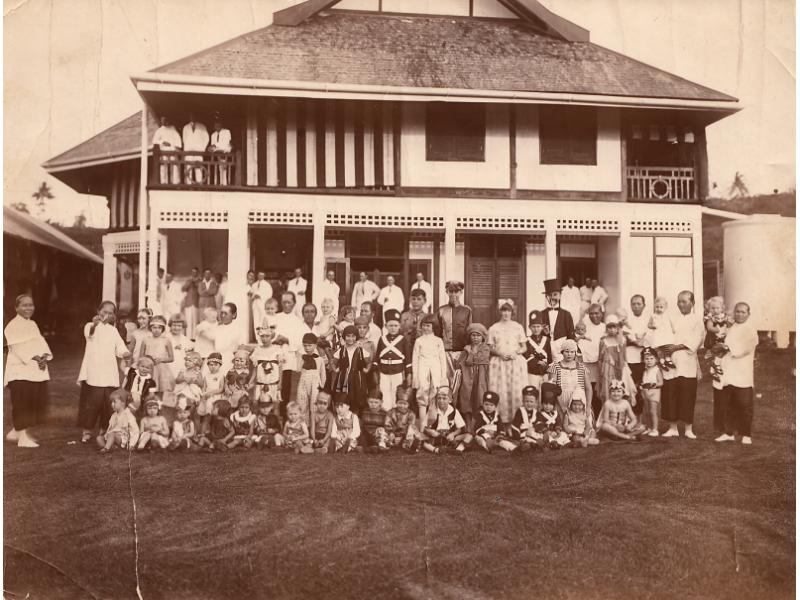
x: 650, y: 389
x: 445, y: 428
x: 267, y: 427
x: 522, y: 429
x: 189, y: 381
x: 373, y: 420
x: 490, y: 431
x: 323, y: 424
x: 140, y: 383
x: 548, y: 420
x: 617, y: 420
x: 578, y: 422
x: 154, y: 428
x: 400, y: 423
x: 183, y: 430
x: 122, y: 431
x: 220, y: 430
x: 295, y: 431
x: 242, y: 420
x: 348, y: 428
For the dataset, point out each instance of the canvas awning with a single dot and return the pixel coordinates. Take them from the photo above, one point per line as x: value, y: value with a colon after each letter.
x: 29, y: 228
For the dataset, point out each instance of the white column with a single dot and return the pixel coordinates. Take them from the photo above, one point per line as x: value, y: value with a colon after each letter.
x: 318, y: 255
x: 623, y: 264
x: 143, y: 202
x: 109, y: 271
x: 450, y: 248
x: 238, y: 264
x: 550, y: 249
x: 152, y: 252
x: 697, y: 256
x: 162, y: 254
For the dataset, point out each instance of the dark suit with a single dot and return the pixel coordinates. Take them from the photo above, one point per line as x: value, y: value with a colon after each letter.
x: 207, y: 293
x: 564, y: 326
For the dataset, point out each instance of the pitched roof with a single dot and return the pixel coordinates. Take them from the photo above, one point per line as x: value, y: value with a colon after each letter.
x: 434, y: 52
x: 19, y: 224
x: 122, y: 140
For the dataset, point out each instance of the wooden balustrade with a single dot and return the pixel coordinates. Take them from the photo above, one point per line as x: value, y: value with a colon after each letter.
x: 196, y: 169
x: 661, y: 184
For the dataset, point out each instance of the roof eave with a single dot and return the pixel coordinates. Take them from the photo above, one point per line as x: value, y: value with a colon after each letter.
x: 91, y: 161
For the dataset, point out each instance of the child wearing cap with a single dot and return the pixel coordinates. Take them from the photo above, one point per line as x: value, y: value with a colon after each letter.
x: 312, y: 376
x: 428, y: 366
x: 652, y: 382
x: 548, y: 420
x: 617, y: 420
x: 400, y: 423
x: 323, y: 425
x: 220, y: 430
x: 242, y: 421
x: 612, y: 363
x: 474, y: 366
x: 140, y: 383
x: 393, y: 359
x: 351, y: 371
x: 122, y: 431
x: 183, y: 430
x: 578, y: 422
x: 295, y: 431
x: 568, y: 375
x: 154, y: 429
x: 537, y: 349
x: 373, y: 421
x: 490, y: 431
x: 240, y: 378
x: 267, y: 359
x: 522, y: 428
x: 445, y: 427
x: 267, y: 426
x: 347, y: 428
x: 159, y: 348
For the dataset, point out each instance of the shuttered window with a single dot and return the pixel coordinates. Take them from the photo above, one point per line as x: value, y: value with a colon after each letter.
x: 567, y: 135
x: 455, y: 132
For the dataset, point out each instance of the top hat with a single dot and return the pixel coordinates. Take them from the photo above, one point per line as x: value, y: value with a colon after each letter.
x: 551, y: 285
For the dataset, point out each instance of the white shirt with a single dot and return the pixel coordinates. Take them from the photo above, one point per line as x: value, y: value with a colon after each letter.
x: 195, y: 137
x: 167, y: 138
x: 689, y: 331
x: 636, y: 330
x: 329, y: 289
x: 298, y: 286
x: 591, y: 349
x: 262, y: 289
x: 586, y: 293
x: 571, y: 301
x: 440, y: 420
x: 599, y: 296
x: 226, y: 340
x: 292, y: 328
x: 221, y: 140
x: 364, y: 291
x: 173, y: 298
x: 391, y: 297
x: 374, y: 334
x: 24, y: 342
x: 428, y: 289
x: 99, y: 367
x: 742, y: 340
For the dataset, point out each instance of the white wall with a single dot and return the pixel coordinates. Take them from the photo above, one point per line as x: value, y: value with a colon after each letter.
x: 535, y: 274
x: 492, y: 173
x: 605, y: 176
x: 459, y: 265
x: 640, y: 274
x: 608, y: 269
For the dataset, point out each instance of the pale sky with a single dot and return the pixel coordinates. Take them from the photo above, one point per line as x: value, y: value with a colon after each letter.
x: 68, y: 65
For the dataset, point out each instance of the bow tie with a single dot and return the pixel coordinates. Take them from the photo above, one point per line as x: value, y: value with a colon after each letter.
x: 556, y: 309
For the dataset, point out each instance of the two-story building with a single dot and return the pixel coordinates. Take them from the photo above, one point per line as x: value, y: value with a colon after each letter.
x: 483, y: 140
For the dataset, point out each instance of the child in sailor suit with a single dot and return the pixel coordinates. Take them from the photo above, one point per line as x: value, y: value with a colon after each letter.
x: 429, y: 366
x: 489, y: 428
x: 522, y: 426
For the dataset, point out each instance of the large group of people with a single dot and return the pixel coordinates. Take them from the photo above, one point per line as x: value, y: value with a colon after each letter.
x: 329, y: 379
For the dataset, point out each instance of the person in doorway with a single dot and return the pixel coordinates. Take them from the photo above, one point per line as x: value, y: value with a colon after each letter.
x: 571, y: 300
x: 329, y: 289
x: 298, y: 286
x: 421, y: 284
x: 452, y: 321
x: 191, y: 301
x: 391, y: 297
x: 364, y: 290
x: 599, y: 294
x: 260, y: 291
x: 173, y: 296
x: 585, y: 292
x: 207, y: 291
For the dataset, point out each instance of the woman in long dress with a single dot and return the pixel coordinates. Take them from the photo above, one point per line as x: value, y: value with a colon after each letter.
x: 26, y: 373
x: 507, y: 368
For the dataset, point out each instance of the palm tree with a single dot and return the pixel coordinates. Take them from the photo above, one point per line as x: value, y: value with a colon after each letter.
x: 738, y: 188
x: 41, y: 196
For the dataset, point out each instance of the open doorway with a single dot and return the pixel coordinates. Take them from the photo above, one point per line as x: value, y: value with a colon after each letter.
x: 278, y: 252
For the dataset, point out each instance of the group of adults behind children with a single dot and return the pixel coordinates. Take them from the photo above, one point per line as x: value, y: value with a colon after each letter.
x: 345, y: 353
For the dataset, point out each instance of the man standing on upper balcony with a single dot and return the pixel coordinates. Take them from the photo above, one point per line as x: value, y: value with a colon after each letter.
x: 195, y: 139
x: 221, y: 148
x: 168, y: 140
x: 391, y: 297
x: 298, y: 286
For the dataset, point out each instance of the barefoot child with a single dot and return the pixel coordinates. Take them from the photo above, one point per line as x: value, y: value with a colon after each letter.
x: 122, y: 432
x: 617, y: 420
x: 154, y: 428
x: 662, y: 333
x: 323, y: 424
x: 444, y: 427
x: 213, y: 388
x: 190, y: 381
x: 717, y: 323
x: 239, y: 380
x: 490, y: 431
x: 205, y: 332
x: 429, y: 367
x: 652, y: 382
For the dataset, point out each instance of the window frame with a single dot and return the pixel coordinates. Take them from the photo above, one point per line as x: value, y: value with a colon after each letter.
x: 568, y: 135
x: 445, y: 137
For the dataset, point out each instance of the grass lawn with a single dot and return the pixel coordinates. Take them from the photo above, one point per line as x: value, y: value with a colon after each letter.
x: 656, y: 519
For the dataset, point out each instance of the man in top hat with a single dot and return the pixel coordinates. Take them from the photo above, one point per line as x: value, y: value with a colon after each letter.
x: 556, y: 319
x: 452, y: 321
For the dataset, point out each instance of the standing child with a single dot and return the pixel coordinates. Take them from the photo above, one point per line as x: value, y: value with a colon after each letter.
x: 373, y: 421
x: 429, y: 366
x: 239, y: 379
x: 190, y: 381
x: 122, y: 432
x: 347, y: 427
x: 295, y: 431
x: 159, y: 348
x: 612, y: 362
x: 325, y: 324
x: 578, y: 422
x: 367, y: 352
x: 393, y: 359
x: 323, y: 425
x: 350, y: 373
x: 312, y: 376
x: 490, y: 431
x: 474, y: 365
x: 662, y: 333
x: 548, y: 420
x: 537, y: 349
x: 213, y: 388
x: 568, y: 375
x: 135, y: 337
x: 183, y: 431
x: 220, y: 430
x: 444, y: 427
x: 154, y: 428
x: 652, y: 382
x: 181, y: 344
x: 242, y: 420
x: 267, y: 427
x: 205, y: 333
x: 140, y: 383
x: 522, y: 428
x: 617, y: 420
x: 400, y: 423
x: 268, y: 360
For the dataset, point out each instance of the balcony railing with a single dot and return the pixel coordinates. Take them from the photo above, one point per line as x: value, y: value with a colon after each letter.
x: 659, y: 184
x: 196, y: 169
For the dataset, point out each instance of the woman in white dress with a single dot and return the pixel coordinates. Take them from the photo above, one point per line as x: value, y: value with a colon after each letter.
x: 508, y: 372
